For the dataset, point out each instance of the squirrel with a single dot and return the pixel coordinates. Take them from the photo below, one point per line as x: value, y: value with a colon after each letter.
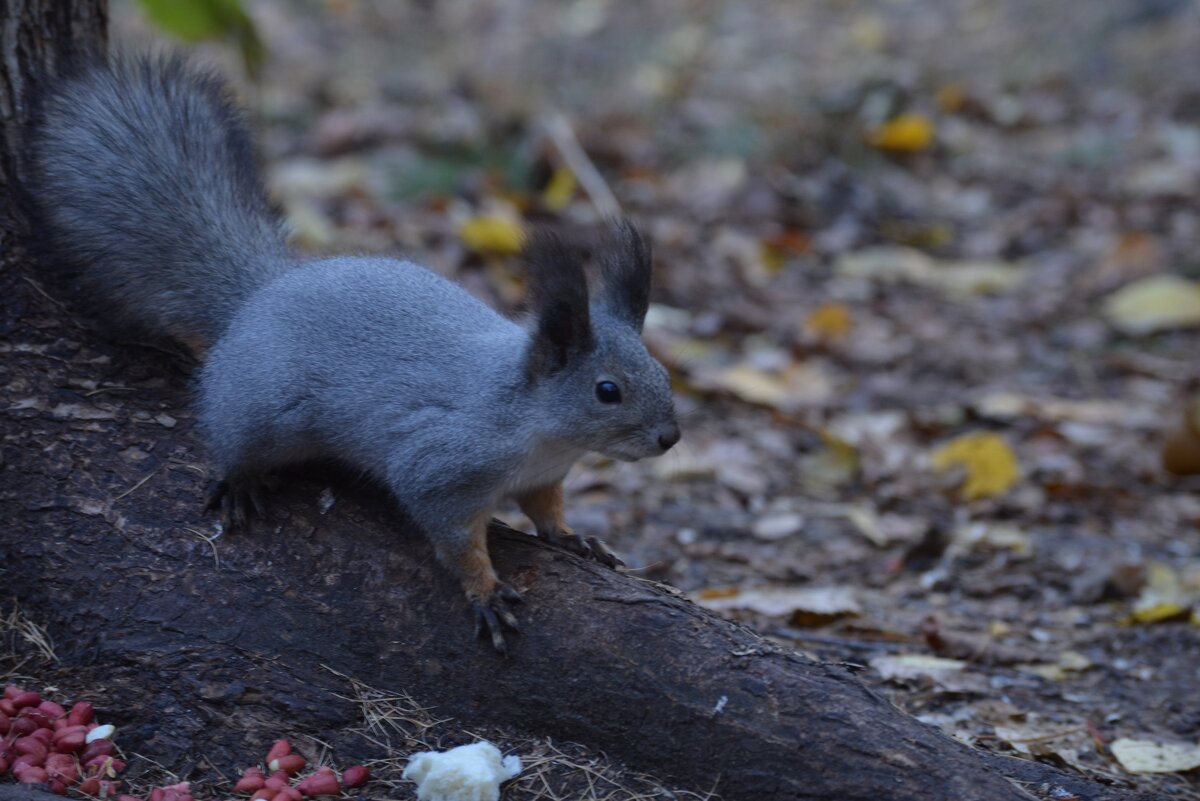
x: 141, y: 173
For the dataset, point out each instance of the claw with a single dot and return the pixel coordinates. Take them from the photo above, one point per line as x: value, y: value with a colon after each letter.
x: 591, y: 548
x: 508, y: 593
x: 602, y: 554
x: 493, y: 616
x: 236, y: 500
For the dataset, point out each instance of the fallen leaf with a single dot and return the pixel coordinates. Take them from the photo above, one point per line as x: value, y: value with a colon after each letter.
x: 777, y: 526
x: 1069, y: 662
x: 961, y: 279
x: 965, y: 279
x: 1147, y: 756
x: 831, y: 467
x: 803, y: 606
x: 886, y: 263
x: 980, y: 536
x: 792, y: 387
x: 990, y: 464
x: 1162, y: 598
x: 1154, y: 304
x: 907, y: 133
x: 560, y: 190
x: 829, y: 322
x: 915, y: 666
x: 491, y: 233
x: 951, y: 97
x: 1181, y: 445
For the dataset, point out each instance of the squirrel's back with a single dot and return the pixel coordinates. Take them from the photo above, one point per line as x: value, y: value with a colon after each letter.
x: 140, y: 173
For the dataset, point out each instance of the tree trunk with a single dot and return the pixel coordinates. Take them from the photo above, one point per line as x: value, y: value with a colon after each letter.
x: 36, y: 35
x: 203, y: 648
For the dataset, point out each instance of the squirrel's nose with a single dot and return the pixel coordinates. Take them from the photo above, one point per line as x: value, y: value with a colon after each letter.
x: 665, y: 441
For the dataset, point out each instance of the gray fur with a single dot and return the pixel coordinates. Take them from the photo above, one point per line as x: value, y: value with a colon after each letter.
x: 408, y: 377
x: 142, y: 172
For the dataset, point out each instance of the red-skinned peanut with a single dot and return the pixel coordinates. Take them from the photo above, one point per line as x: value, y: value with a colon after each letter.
x: 26, y: 699
x: 279, y: 749
x: 355, y: 776
x: 290, y: 764
x: 80, y: 714
x: 320, y: 784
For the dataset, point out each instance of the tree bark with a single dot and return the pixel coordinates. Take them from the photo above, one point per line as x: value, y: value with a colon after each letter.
x: 202, y: 648
x: 37, y: 35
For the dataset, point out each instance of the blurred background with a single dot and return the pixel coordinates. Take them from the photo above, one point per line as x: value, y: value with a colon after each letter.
x: 926, y: 284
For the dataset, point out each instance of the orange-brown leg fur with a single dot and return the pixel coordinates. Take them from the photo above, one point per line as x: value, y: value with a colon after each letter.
x: 470, y: 561
x: 544, y: 506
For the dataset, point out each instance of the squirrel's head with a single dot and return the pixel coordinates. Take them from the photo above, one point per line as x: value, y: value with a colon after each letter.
x: 610, y: 395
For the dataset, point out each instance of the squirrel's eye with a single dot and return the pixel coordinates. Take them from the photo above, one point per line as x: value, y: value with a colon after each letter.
x: 608, y: 392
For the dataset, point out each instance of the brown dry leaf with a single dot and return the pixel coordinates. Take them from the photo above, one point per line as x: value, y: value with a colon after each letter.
x: 1044, y: 740
x: 972, y: 646
x: 990, y: 464
x: 1154, y: 304
x: 907, y: 133
x: 1181, y: 445
x: 1148, y: 756
x: 803, y: 606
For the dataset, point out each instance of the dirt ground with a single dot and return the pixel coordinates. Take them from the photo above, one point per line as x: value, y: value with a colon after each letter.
x: 838, y: 300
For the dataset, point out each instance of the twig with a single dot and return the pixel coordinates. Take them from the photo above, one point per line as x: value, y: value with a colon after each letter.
x: 577, y: 161
x: 149, y: 476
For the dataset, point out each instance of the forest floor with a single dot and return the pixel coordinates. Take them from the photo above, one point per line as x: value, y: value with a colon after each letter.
x: 921, y: 436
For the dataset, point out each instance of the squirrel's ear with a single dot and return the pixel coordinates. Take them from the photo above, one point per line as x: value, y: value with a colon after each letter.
x: 625, y: 271
x: 559, y: 298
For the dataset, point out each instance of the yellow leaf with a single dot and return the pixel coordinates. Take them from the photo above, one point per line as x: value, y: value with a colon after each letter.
x: 1162, y: 598
x: 1154, y: 304
x: 990, y: 464
x: 492, y: 234
x: 829, y: 321
x: 560, y: 190
x: 908, y: 133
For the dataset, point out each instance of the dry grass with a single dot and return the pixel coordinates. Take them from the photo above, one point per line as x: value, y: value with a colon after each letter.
x: 550, y: 771
x: 22, y: 643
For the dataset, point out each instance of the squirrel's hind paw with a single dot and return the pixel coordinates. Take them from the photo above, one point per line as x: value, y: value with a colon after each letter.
x: 494, y: 615
x: 237, y: 500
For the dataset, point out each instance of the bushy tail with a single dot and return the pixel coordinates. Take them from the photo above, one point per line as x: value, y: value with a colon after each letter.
x: 141, y: 173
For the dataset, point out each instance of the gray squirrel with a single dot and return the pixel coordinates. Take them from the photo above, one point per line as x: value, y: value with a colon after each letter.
x: 141, y: 172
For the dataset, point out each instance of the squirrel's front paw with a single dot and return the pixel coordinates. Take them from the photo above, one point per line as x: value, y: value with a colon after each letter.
x: 493, y: 614
x: 591, y: 548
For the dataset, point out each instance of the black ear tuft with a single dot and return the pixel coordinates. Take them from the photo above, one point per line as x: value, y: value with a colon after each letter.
x: 559, y: 297
x: 625, y: 264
